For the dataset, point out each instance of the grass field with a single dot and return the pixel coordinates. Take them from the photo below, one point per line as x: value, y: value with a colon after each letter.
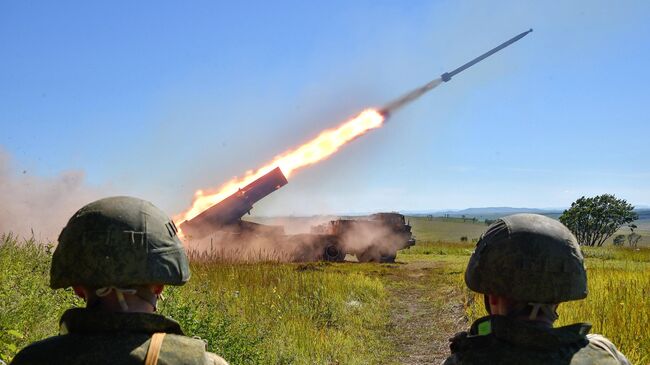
x: 438, y: 229
x: 618, y: 304
x: 446, y: 229
x: 347, y: 313
x: 250, y: 314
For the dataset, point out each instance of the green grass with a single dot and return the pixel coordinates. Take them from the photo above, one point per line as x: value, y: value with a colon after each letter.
x: 438, y: 229
x: 249, y: 314
x: 641, y: 254
x: 29, y: 309
x: 283, y: 313
x: 422, y: 249
x: 445, y: 229
x: 324, y: 313
x: 618, y: 304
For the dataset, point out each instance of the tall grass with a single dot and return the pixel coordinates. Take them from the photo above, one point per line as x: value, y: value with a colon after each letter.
x: 438, y: 248
x: 445, y: 229
x: 283, y: 314
x: 618, y: 304
x: 249, y: 314
x: 29, y: 309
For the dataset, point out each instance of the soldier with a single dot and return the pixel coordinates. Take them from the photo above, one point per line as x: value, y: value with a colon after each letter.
x: 525, y: 265
x: 117, y: 254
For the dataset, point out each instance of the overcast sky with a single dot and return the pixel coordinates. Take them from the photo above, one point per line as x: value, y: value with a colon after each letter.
x: 159, y: 98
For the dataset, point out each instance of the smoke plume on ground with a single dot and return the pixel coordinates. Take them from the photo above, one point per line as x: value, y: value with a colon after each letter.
x: 38, y: 206
x: 294, y: 225
x: 312, y: 239
x: 372, y: 240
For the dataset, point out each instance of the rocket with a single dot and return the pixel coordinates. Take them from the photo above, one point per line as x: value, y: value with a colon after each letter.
x: 391, y: 107
x: 448, y: 75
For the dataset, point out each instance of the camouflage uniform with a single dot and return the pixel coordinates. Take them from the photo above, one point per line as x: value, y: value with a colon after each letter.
x: 119, y: 245
x: 97, y: 337
x: 503, y: 340
x: 535, y: 260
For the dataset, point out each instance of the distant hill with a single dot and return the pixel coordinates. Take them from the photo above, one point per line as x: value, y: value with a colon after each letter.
x: 495, y: 210
x: 644, y: 214
x: 498, y: 212
x: 488, y: 212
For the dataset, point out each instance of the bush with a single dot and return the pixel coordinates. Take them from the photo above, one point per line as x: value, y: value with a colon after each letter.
x: 619, y: 240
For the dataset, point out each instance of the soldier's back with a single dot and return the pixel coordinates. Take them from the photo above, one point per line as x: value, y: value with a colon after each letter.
x: 118, y: 348
x: 91, y: 337
x: 515, y: 342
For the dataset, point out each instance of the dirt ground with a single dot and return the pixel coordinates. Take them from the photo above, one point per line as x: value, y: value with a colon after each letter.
x: 426, y: 310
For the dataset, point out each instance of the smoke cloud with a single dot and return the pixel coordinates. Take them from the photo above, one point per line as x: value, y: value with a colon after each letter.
x: 38, y: 206
x: 410, y: 96
x: 310, y: 239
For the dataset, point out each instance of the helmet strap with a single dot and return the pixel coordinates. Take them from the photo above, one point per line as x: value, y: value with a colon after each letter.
x: 149, y: 297
x: 119, y: 293
x: 486, y: 302
x: 548, y: 310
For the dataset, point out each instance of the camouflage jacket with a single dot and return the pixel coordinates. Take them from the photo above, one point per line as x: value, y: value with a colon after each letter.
x: 502, y: 340
x: 96, y: 337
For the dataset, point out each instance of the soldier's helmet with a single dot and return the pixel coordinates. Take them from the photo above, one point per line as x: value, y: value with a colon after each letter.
x: 121, y: 242
x: 528, y: 258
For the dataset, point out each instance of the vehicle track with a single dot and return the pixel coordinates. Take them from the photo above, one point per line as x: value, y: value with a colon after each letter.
x: 426, y: 310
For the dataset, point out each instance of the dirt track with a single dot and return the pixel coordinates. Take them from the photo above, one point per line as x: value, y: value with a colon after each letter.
x: 426, y: 311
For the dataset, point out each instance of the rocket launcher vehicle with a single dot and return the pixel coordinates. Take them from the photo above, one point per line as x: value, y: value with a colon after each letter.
x: 230, y: 210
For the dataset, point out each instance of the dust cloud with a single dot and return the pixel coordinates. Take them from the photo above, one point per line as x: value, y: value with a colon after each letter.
x: 311, y: 239
x: 250, y: 242
x: 39, y: 207
x: 293, y: 224
x: 372, y: 240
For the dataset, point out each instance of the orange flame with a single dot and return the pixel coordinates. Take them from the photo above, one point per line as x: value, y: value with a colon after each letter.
x: 319, y: 148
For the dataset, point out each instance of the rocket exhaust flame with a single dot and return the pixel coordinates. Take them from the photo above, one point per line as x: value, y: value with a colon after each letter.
x: 327, y: 142
x: 319, y: 148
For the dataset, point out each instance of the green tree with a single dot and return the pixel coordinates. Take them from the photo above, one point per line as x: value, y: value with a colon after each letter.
x: 594, y: 220
x: 619, y: 240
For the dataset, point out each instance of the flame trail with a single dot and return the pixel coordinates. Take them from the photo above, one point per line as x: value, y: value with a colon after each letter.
x: 318, y: 149
x: 328, y: 141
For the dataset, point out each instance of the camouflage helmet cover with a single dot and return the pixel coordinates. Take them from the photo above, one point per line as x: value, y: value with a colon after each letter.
x: 119, y: 241
x: 528, y: 258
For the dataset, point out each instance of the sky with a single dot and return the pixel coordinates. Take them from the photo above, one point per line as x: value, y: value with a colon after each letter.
x: 157, y: 99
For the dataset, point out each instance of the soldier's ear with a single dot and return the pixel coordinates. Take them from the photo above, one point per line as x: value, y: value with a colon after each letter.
x: 498, y: 304
x: 157, y: 289
x: 80, y: 291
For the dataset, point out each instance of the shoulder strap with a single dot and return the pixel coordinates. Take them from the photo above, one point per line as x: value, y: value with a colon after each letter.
x: 154, y: 348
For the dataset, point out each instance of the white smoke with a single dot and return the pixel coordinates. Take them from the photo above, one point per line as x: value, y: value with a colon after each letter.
x: 372, y: 240
x: 293, y: 225
x: 38, y: 206
x: 292, y: 239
